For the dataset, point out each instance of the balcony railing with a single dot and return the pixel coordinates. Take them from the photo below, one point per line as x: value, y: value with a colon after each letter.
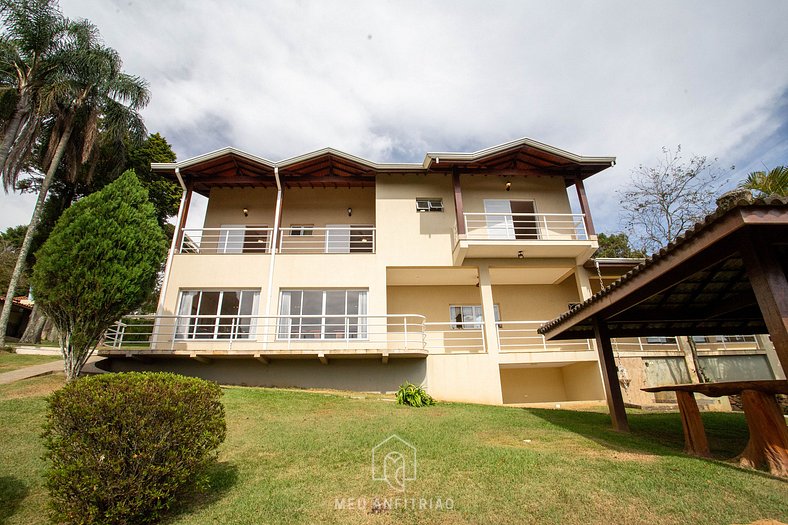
x: 526, y: 226
x: 226, y: 240
x: 301, y: 239
x: 335, y: 239
x: 521, y: 336
x: 670, y: 344
x: 247, y: 333
x: 455, y: 337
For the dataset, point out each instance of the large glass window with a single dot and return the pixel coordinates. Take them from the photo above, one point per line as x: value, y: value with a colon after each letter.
x: 323, y: 314
x: 225, y: 314
x: 469, y: 317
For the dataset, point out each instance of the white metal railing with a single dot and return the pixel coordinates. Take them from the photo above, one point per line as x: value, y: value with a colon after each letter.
x: 703, y: 343
x: 455, y: 337
x: 242, y: 239
x: 521, y: 336
x: 525, y: 226
x: 335, y: 239
x: 255, y: 333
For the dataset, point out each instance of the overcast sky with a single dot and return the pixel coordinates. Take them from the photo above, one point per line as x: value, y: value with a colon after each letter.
x: 389, y: 81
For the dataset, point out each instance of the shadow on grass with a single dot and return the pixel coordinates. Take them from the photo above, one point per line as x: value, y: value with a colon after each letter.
x: 653, y: 433
x: 12, y: 492
x: 222, y: 476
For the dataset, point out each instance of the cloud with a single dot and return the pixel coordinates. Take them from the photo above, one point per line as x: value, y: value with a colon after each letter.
x: 391, y: 80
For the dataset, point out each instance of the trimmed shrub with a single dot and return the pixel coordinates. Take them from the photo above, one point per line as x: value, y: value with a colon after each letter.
x: 123, y: 447
x: 412, y: 395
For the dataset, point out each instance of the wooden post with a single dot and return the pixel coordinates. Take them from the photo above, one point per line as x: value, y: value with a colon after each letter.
x: 770, y: 286
x: 768, y: 434
x: 584, y: 208
x: 455, y: 179
x: 182, y: 224
x: 615, y: 402
x: 695, y: 441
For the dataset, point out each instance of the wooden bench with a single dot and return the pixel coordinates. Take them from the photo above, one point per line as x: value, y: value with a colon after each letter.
x: 768, y: 442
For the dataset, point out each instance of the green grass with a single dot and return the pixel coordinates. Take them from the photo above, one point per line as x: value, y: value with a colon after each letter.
x: 9, y: 361
x: 289, y: 455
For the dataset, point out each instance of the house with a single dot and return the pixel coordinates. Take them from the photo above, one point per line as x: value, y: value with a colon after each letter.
x: 331, y: 271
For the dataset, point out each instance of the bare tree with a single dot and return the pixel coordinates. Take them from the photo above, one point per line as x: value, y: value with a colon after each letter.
x: 662, y: 201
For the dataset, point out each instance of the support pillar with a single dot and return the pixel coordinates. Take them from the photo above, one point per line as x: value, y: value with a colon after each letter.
x: 615, y: 401
x: 584, y: 208
x: 770, y: 286
x: 458, y: 209
x: 488, y: 310
x: 175, y: 245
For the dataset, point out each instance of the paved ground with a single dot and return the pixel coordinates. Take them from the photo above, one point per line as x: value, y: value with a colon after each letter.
x: 42, y: 370
x: 37, y: 350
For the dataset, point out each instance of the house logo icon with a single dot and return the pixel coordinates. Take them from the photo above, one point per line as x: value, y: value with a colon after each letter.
x: 394, y: 461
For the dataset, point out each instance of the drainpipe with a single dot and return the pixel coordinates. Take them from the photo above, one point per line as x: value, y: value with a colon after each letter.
x: 173, y: 247
x: 274, y: 245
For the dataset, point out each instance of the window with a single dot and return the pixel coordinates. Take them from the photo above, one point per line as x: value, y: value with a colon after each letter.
x: 661, y: 340
x: 301, y: 230
x: 323, y: 314
x: 425, y: 205
x: 470, y: 317
x: 225, y: 314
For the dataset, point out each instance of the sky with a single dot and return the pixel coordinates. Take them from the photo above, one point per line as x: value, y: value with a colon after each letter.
x: 391, y: 80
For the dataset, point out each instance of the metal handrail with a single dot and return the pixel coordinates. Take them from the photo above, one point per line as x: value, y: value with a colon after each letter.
x: 247, y: 239
x: 525, y: 338
x: 525, y: 226
x: 311, y: 239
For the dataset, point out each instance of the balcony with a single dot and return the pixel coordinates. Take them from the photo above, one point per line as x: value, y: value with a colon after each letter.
x: 520, y: 343
x: 524, y: 235
x: 293, y: 240
x: 263, y: 337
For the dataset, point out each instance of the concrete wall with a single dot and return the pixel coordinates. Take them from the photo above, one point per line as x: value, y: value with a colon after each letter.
x: 362, y: 375
x: 538, y: 302
x: 548, y: 193
x: 574, y: 382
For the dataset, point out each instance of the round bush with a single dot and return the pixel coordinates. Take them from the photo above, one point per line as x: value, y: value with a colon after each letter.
x: 123, y: 447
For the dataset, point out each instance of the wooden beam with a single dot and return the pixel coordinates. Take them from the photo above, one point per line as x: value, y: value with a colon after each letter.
x: 615, y: 402
x: 200, y: 359
x: 385, y: 358
x: 458, y: 209
x: 264, y: 360
x: 182, y: 224
x: 770, y: 286
x: 323, y: 358
x: 584, y: 208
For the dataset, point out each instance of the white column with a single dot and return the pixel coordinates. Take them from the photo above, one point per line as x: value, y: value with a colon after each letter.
x: 488, y: 310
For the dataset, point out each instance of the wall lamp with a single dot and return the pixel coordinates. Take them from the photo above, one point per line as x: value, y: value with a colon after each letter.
x: 508, y: 186
x: 349, y: 212
x: 520, y: 255
x: 246, y: 212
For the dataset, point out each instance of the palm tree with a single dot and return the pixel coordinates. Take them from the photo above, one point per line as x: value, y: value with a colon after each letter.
x: 32, y: 49
x: 88, y: 97
x: 773, y: 182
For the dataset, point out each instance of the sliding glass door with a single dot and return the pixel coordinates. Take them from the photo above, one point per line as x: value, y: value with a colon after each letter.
x: 204, y: 314
x: 323, y: 314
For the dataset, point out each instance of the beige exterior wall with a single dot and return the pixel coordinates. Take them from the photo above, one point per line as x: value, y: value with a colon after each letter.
x: 431, y: 301
x: 226, y: 205
x: 574, y: 382
x: 548, y: 193
x: 537, y: 302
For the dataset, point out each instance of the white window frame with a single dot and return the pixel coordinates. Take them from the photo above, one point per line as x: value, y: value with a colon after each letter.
x: 285, y: 326
x: 186, y: 325
x: 472, y: 325
x: 429, y: 205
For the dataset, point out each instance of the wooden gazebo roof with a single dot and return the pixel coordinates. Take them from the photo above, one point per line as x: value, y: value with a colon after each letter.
x: 230, y: 167
x: 697, y: 285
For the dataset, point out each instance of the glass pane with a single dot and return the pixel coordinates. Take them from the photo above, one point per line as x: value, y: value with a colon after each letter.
x: 206, y: 320
x: 335, y: 306
x: 230, y: 305
x: 289, y: 327
x: 311, y: 323
x: 184, y: 325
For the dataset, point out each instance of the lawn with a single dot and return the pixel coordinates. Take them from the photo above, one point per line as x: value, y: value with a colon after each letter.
x: 9, y: 361
x: 290, y: 456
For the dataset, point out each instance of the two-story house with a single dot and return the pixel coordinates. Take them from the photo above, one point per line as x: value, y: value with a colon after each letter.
x: 330, y: 271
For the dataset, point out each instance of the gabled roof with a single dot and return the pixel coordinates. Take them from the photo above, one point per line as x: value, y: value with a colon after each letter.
x: 697, y: 285
x: 330, y: 167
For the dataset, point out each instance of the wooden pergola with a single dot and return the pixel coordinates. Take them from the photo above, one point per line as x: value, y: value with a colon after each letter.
x: 725, y: 276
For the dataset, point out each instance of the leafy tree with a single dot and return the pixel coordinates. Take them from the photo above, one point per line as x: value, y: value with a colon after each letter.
x: 99, y: 263
x: 773, y: 182
x: 616, y: 245
x: 662, y: 201
x: 88, y: 96
x: 10, y: 241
